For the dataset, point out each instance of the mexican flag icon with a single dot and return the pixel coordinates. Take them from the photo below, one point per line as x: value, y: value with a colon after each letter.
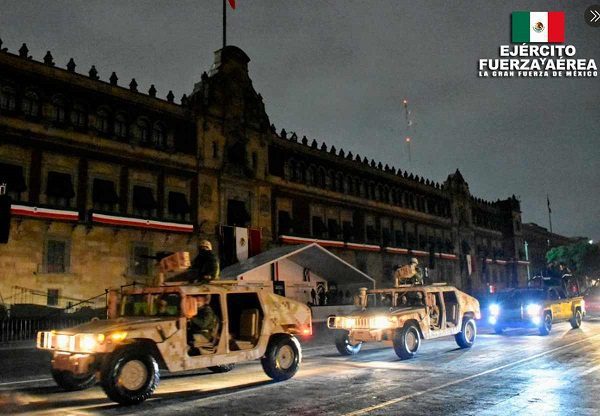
x: 541, y: 27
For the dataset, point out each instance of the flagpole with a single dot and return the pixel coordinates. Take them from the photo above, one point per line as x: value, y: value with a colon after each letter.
x: 224, y: 24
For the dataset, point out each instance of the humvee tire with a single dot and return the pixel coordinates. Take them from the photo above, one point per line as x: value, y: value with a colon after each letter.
x: 466, y: 337
x: 343, y: 345
x: 282, y: 358
x: 576, y: 320
x: 71, y: 382
x: 130, y: 375
x: 407, y: 341
x: 546, y: 325
x: 225, y: 368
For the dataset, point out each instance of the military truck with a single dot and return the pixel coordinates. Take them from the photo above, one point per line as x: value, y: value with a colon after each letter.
x: 149, y: 329
x: 404, y: 315
x: 535, y: 308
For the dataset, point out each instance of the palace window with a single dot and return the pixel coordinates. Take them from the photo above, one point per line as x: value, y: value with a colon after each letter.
x: 8, y: 99
x: 178, y: 206
x: 144, y: 203
x: 159, y: 135
x: 139, y: 263
x: 104, y: 196
x: 57, y: 256
x: 58, y: 110
x: 12, y: 176
x: 59, y: 189
x: 52, y: 297
x: 120, y: 126
x: 102, y: 121
x: 78, y: 116
x: 30, y: 104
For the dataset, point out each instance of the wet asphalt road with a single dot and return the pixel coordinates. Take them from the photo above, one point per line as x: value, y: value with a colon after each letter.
x: 519, y: 373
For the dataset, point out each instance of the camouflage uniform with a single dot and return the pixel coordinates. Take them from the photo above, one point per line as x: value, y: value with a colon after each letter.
x: 204, y: 323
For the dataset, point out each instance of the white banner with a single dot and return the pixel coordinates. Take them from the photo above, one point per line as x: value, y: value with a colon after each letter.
x: 469, y: 265
x: 241, y: 243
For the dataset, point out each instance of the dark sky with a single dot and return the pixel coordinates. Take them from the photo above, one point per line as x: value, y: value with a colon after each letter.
x: 338, y: 70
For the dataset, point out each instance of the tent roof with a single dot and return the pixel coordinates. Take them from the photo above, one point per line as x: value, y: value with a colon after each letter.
x: 311, y: 256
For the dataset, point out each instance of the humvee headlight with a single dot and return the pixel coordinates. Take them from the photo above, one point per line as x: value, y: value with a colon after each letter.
x: 62, y: 342
x: 381, y: 322
x: 88, y: 342
x: 349, y: 323
x: 494, y: 309
x: 533, y: 309
x: 118, y: 336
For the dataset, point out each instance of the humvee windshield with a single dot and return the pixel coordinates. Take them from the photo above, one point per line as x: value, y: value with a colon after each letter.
x: 396, y: 299
x: 151, y: 304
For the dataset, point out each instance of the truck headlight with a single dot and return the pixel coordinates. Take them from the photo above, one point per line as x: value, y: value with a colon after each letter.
x: 349, y: 323
x: 533, y: 309
x: 62, y: 342
x: 88, y: 342
x: 494, y: 309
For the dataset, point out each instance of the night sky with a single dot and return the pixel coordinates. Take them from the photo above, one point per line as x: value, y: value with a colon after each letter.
x: 337, y: 71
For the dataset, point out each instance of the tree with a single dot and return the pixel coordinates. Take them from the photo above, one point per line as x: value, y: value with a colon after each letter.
x: 581, y: 257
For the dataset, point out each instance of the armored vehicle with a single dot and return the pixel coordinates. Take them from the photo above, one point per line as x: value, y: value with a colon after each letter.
x: 151, y: 328
x: 405, y: 315
x: 535, y: 308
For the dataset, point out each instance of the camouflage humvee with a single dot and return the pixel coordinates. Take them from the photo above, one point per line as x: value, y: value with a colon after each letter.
x: 406, y: 314
x: 149, y: 328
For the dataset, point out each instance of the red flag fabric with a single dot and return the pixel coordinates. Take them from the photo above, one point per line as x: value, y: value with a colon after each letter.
x: 232, y: 4
x: 254, y: 235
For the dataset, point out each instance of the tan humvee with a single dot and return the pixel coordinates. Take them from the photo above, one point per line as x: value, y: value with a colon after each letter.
x: 404, y: 315
x: 149, y: 329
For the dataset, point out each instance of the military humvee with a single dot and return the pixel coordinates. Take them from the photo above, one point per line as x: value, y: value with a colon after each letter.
x: 149, y: 328
x: 405, y: 315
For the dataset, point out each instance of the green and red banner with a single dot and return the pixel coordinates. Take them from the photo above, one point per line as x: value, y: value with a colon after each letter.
x: 538, y: 27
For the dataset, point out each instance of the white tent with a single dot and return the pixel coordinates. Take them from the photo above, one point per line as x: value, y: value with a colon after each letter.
x: 297, y: 258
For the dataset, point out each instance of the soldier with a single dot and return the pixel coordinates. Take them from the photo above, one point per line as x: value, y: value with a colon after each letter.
x: 203, y: 325
x: 410, y: 273
x: 205, y: 266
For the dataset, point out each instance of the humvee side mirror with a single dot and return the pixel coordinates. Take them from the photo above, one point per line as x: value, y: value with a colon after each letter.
x: 190, y: 307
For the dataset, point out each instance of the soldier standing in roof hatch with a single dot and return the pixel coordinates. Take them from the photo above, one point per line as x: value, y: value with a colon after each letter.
x: 205, y: 266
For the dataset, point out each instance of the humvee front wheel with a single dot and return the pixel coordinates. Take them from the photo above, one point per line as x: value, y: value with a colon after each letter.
x: 546, y: 325
x: 466, y: 337
x: 576, y: 320
x: 282, y: 358
x: 225, y: 368
x: 343, y: 345
x: 407, y: 341
x: 72, y: 382
x: 130, y: 375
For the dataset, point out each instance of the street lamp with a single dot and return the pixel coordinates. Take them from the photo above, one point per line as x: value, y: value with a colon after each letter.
x: 591, y: 241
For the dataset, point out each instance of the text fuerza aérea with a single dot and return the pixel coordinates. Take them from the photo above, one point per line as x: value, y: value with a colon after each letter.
x: 537, y: 61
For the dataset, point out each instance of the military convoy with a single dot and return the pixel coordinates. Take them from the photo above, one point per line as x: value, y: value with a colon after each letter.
x: 404, y: 315
x: 149, y: 328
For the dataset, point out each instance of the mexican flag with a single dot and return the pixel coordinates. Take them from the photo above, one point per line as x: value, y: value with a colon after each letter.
x: 541, y: 27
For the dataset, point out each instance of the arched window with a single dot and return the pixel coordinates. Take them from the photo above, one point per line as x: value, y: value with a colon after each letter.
x: 102, y: 119
x: 120, y: 126
x: 300, y: 169
x: 58, y: 110
x: 339, y: 182
x: 8, y: 99
x: 159, y: 135
x: 78, y: 116
x: 30, y: 105
x: 322, y: 178
x: 310, y: 175
x: 142, y: 131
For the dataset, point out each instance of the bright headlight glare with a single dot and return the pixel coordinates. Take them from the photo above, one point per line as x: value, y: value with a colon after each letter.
x: 494, y: 309
x: 380, y: 322
x: 87, y: 342
x: 118, y: 336
x: 532, y: 309
x: 62, y: 342
x: 349, y: 322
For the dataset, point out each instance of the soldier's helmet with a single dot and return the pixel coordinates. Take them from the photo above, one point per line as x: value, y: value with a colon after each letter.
x: 414, y: 261
x: 205, y: 244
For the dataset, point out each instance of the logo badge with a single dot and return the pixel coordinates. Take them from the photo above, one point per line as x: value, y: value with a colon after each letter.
x: 538, y: 27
